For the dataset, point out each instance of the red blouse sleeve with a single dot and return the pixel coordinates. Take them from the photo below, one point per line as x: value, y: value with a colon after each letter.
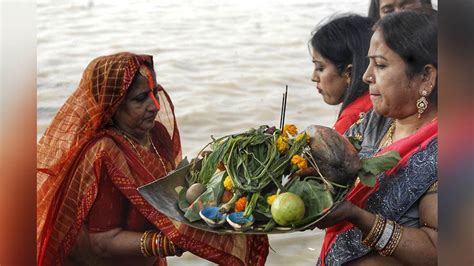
x: 109, y: 209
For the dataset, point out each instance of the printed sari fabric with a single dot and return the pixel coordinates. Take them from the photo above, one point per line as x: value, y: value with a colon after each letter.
x: 352, y: 113
x: 79, y: 149
x: 396, y: 191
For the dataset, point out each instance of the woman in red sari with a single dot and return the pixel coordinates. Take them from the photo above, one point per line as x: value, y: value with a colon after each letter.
x: 339, y: 50
x: 115, y: 133
x: 394, y: 222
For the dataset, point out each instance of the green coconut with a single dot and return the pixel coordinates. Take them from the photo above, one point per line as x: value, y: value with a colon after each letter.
x: 287, y: 208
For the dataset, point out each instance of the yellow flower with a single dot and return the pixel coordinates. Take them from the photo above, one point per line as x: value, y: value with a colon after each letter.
x: 299, y: 161
x: 228, y: 184
x: 270, y: 199
x: 290, y: 129
x: 303, y: 135
x: 282, y: 144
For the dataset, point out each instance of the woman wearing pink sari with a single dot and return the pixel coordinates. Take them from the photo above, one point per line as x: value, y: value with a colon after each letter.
x: 115, y: 133
x: 394, y: 222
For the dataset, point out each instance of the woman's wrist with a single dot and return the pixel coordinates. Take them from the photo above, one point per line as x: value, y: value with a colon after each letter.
x: 353, y: 214
x: 155, y: 243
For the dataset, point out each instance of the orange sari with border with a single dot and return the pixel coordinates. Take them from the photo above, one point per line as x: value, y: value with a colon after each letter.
x: 78, y: 149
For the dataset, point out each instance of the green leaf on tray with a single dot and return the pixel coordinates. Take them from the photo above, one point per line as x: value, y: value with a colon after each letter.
x: 315, y: 197
x: 375, y: 165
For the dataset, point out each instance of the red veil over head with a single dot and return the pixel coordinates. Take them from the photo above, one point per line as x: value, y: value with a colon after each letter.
x: 78, y: 148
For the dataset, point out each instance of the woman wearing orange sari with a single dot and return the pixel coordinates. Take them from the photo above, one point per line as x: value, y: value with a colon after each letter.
x: 115, y: 133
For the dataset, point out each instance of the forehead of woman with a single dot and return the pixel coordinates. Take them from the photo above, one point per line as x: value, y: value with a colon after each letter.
x: 402, y: 3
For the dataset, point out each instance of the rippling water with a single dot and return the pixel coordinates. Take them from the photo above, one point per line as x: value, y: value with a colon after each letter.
x: 224, y: 63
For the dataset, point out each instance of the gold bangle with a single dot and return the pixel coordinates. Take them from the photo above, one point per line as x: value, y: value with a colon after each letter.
x: 375, y: 231
x: 142, y: 247
x: 143, y: 243
x: 153, y: 244
x: 166, y: 251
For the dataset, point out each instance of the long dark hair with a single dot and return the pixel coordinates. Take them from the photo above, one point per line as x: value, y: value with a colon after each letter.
x: 345, y: 40
x: 375, y: 6
x: 413, y: 35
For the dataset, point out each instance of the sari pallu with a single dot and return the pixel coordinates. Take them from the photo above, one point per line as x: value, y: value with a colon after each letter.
x: 114, y: 157
x: 396, y: 191
x: 77, y: 150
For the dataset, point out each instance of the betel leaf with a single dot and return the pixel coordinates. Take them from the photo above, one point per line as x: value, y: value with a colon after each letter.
x: 372, y: 166
x: 314, y: 195
x: 367, y: 179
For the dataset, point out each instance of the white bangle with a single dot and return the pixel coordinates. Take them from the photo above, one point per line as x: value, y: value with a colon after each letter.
x: 386, y: 235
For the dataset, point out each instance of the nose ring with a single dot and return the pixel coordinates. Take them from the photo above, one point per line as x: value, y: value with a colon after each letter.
x: 370, y: 78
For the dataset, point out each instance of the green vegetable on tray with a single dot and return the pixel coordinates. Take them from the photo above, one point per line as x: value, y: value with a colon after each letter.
x: 254, y: 172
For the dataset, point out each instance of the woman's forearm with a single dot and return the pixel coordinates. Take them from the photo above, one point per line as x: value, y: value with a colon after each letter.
x: 416, y: 246
x: 116, y: 242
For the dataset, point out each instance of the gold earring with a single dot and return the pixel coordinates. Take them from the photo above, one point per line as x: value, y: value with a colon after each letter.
x: 422, y: 103
x: 348, y: 79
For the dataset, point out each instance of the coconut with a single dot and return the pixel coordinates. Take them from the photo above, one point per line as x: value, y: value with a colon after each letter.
x: 336, y: 157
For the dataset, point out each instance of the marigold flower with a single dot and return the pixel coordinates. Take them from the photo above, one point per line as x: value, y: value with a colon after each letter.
x: 299, y: 161
x: 303, y: 135
x: 290, y: 129
x: 270, y: 199
x: 282, y: 144
x: 228, y: 184
x: 240, y: 204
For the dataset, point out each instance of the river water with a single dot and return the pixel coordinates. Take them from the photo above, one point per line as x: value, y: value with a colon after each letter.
x: 225, y: 64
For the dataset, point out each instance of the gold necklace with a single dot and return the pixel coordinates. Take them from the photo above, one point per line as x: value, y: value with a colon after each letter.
x: 389, y: 136
x: 156, y: 152
x: 150, y: 143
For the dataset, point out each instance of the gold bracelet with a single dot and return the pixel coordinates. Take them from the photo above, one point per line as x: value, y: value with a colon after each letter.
x: 153, y: 244
x: 166, y: 252
x: 143, y: 243
x: 375, y: 231
x: 365, y: 241
x: 394, y: 241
